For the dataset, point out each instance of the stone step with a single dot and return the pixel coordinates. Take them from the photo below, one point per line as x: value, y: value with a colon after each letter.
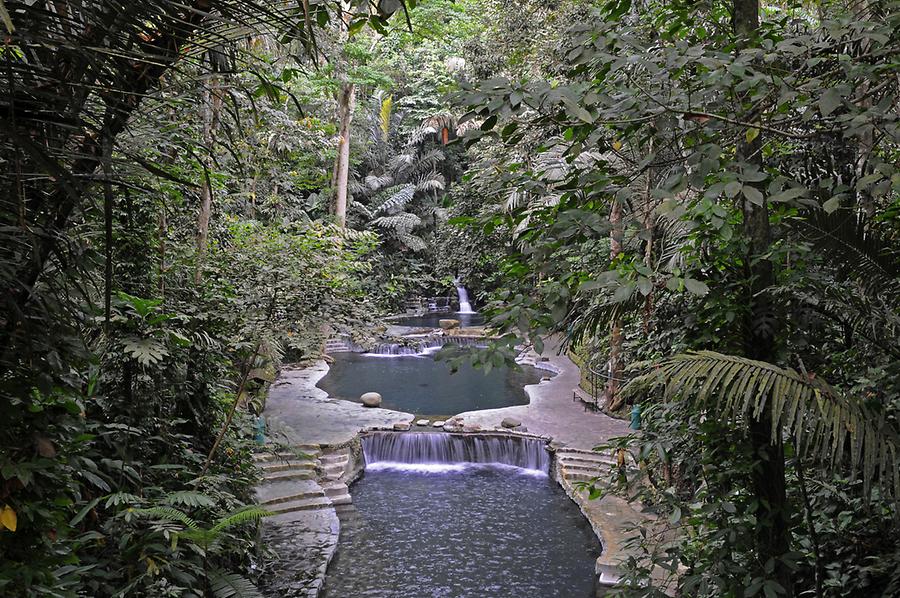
x: 271, y: 489
x: 303, y: 504
x: 593, y: 471
x: 292, y: 497
x: 299, y: 454
x: 291, y: 474
x: 334, y: 470
x: 341, y: 499
x: 276, y: 466
x: 608, y: 454
x: 578, y: 476
x: 335, y: 489
x: 342, y: 458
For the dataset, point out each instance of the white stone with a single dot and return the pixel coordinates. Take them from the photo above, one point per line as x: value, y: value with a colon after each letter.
x: 439, y: 423
x: 401, y: 426
x: 422, y: 422
x: 371, y: 399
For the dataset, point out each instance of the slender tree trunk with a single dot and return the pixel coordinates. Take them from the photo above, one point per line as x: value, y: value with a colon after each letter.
x: 346, y: 104
x: 211, y: 107
x: 614, y: 399
x: 108, y: 223
x: 163, y: 233
x: 773, y: 535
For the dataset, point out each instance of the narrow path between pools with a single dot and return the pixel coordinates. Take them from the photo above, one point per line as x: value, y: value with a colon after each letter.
x: 306, y: 487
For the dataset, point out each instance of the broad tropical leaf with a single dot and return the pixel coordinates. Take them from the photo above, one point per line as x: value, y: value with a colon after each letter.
x: 825, y: 424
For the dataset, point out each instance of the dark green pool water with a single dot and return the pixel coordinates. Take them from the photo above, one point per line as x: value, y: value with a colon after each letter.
x: 424, y: 386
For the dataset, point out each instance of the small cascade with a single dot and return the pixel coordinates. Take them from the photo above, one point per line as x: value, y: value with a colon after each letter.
x: 423, y: 347
x: 464, y: 306
x: 439, y: 451
x: 395, y: 349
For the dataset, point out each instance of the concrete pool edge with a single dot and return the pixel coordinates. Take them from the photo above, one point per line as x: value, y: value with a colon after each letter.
x: 551, y: 415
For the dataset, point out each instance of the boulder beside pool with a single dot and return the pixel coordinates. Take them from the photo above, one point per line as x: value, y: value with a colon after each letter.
x: 448, y: 324
x: 510, y: 422
x: 371, y: 399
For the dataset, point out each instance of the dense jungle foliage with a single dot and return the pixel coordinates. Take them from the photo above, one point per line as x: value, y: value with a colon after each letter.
x: 702, y: 198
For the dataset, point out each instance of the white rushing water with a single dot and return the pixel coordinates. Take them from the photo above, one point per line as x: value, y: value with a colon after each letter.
x: 464, y: 306
x: 438, y: 452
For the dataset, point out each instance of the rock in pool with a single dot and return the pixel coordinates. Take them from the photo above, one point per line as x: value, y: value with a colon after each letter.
x: 371, y: 399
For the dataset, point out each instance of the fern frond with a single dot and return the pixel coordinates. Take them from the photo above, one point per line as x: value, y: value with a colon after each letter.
x: 250, y: 513
x: 188, y: 498
x: 825, y: 424
x: 232, y: 585
x: 168, y: 514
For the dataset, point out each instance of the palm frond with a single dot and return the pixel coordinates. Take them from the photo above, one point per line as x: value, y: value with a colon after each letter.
x: 375, y: 183
x: 855, y: 248
x: 399, y: 223
x: 825, y: 424
x: 432, y: 182
x: 413, y: 242
x: 395, y: 198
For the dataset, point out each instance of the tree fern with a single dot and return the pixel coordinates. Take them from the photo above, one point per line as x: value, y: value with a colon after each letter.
x: 825, y: 424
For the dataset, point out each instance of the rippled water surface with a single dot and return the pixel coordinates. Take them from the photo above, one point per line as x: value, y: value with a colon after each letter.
x: 425, y: 386
x: 479, y: 531
x: 433, y: 320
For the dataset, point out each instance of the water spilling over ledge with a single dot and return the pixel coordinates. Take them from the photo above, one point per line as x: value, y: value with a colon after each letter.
x: 431, y: 451
x: 424, y: 347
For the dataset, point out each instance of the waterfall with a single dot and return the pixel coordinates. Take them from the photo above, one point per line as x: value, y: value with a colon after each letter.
x: 464, y: 306
x: 423, y: 347
x: 439, y: 451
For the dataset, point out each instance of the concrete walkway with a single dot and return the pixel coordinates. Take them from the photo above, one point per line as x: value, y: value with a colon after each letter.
x: 297, y: 412
x: 552, y: 411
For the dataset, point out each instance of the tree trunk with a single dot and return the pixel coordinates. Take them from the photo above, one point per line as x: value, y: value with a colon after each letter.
x: 773, y: 535
x: 346, y: 104
x: 614, y: 399
x: 211, y: 106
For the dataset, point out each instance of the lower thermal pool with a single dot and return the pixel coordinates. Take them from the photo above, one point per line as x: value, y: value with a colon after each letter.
x: 475, y: 531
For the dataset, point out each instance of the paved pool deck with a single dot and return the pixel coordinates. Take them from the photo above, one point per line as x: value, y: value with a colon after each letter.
x: 298, y: 412
x: 551, y: 410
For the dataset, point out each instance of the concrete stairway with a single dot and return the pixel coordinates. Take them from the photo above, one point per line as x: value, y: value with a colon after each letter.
x: 335, y: 465
x: 289, y: 481
x: 338, y: 345
x: 579, y: 465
